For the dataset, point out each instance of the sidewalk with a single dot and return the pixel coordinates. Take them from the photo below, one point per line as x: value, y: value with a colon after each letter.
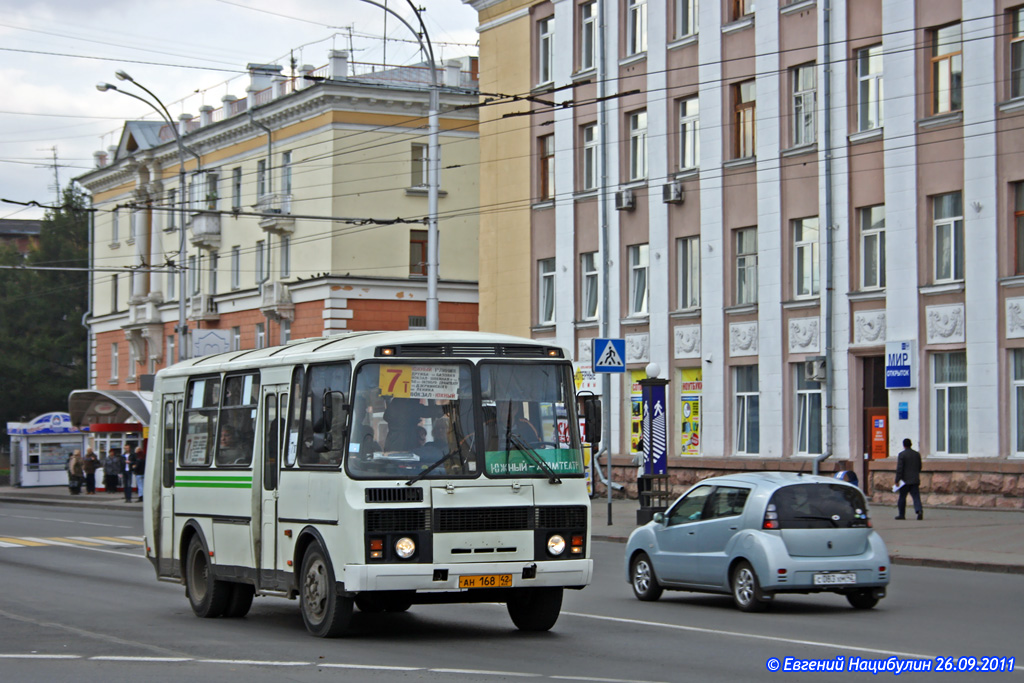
x: 957, y: 538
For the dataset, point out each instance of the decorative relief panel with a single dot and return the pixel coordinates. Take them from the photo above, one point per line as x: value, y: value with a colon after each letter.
x: 687, y: 341
x: 638, y: 348
x: 946, y: 324
x: 584, y: 351
x: 869, y: 327
x: 804, y: 335
x: 743, y: 339
x: 1015, y: 318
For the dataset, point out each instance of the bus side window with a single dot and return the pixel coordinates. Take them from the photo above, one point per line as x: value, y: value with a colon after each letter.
x: 199, y: 422
x: 295, y: 417
x: 170, y: 430
x: 271, y: 443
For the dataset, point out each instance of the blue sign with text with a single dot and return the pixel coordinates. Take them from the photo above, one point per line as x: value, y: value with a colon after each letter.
x: 899, y: 365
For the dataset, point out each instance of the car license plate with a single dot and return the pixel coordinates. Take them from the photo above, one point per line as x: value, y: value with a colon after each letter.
x: 486, y: 581
x: 832, y: 578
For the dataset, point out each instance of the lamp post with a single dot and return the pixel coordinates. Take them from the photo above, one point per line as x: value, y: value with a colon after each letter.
x: 161, y: 110
x: 433, y: 165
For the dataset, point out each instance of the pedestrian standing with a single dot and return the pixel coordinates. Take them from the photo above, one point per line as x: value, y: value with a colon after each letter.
x: 90, y: 465
x: 126, y: 472
x: 112, y: 467
x: 139, y: 469
x: 76, y: 473
x: 908, y: 471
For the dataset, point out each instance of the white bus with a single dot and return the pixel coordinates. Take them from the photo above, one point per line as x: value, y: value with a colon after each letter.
x: 374, y: 470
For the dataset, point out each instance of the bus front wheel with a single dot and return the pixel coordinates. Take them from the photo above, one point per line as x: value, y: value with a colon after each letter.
x: 535, y: 609
x: 207, y: 595
x: 325, y: 613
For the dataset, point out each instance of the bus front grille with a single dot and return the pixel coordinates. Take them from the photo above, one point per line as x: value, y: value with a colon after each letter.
x: 405, y: 494
x: 450, y: 520
x: 383, y: 521
x: 562, y: 517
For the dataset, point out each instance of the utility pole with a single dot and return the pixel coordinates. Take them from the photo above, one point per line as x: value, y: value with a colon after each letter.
x: 56, y: 172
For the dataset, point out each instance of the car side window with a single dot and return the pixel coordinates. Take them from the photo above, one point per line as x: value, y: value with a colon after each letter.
x: 689, y: 508
x: 726, y: 501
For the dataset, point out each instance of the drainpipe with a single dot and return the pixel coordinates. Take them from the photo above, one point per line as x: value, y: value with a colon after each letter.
x: 829, y: 230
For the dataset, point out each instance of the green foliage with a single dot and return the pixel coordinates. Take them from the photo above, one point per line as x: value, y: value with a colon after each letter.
x: 42, y: 340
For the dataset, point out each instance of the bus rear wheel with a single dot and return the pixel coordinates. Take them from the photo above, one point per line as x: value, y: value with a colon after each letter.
x: 207, y: 595
x: 535, y: 609
x: 325, y: 613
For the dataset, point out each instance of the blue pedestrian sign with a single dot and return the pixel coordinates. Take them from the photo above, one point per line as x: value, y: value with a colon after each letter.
x: 609, y: 355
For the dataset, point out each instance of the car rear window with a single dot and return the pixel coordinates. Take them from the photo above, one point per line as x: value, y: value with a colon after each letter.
x: 817, y: 506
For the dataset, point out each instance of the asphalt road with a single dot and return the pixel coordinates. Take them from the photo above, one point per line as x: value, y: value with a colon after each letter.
x: 70, y: 611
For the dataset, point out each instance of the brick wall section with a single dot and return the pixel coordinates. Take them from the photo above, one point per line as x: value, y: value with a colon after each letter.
x: 394, y: 315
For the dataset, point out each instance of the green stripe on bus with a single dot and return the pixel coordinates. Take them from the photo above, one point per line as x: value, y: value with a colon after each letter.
x: 213, y: 485
x: 211, y: 477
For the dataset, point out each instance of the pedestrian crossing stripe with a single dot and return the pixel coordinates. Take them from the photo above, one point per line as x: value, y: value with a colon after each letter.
x: 68, y: 541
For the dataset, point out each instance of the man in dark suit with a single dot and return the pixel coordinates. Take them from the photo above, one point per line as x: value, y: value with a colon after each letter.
x: 908, y: 470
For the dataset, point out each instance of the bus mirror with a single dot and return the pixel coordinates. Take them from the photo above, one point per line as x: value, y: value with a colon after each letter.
x: 590, y: 409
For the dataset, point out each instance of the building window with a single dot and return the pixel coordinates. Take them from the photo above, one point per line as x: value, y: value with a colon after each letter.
x: 115, y: 227
x: 417, y: 252
x: 1018, y: 401
x: 689, y: 134
x: 211, y: 191
x: 950, y: 416
x: 1017, y: 52
x: 872, y: 247
x: 689, y: 272
x: 808, y: 411
x: 806, y: 276
x: 286, y: 256
x: 286, y: 331
x: 947, y: 69
x: 686, y: 18
x: 286, y: 173
x: 589, y: 157
x: 113, y: 293
x: 638, y: 145
x: 261, y: 335
x: 420, y: 171
x: 546, y: 172
x: 172, y: 280
x: 588, y: 36
x: 236, y: 267
x: 132, y: 362
x: 638, y: 263
x: 746, y: 266
x: 869, y: 88
x: 741, y: 8
x: 258, y: 270
x: 949, y: 237
x: 1018, y: 227
x: 748, y: 410
x: 170, y: 350
x: 212, y: 280
x: 637, y: 27
x: 172, y: 210
x: 546, y: 291
x: 545, y: 50
x: 236, y: 338
x: 589, y: 285
x: 236, y: 188
x: 261, y: 178
x: 805, y: 100
x: 193, y: 275
x: 115, y: 362
x: 744, y: 118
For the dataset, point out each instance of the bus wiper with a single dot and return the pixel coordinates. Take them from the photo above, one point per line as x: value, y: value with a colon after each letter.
x: 443, y: 459
x: 517, y: 441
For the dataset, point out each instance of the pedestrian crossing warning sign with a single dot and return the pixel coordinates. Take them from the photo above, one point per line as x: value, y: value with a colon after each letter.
x: 609, y: 355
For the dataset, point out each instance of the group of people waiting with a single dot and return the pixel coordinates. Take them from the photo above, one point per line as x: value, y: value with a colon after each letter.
x: 118, y: 470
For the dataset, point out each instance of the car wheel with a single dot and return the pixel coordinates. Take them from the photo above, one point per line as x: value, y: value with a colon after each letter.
x: 746, y: 588
x: 535, y: 609
x: 862, y: 599
x: 240, y: 600
x: 645, y: 585
x: 325, y: 613
x: 207, y: 595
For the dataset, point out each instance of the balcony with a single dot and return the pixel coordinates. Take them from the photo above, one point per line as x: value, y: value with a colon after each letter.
x: 276, y: 301
x: 202, y: 307
x: 276, y: 208
x: 206, y: 230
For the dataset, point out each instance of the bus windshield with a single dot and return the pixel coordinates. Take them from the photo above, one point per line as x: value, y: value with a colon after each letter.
x: 424, y: 421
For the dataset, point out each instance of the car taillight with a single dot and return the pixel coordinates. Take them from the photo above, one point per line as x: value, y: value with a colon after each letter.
x: 771, y: 518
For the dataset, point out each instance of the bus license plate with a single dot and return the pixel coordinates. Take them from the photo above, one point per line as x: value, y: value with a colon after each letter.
x: 832, y: 578
x: 486, y: 581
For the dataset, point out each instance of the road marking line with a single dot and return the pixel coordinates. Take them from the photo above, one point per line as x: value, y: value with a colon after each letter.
x: 75, y: 541
x: 369, y: 667
x: 121, y: 540
x: 483, y: 672
x: 4, y: 544
x: 49, y: 541
x: 115, y: 658
x: 21, y: 541
x: 251, y: 662
x: 92, y: 540
x: 598, y: 680
x: 35, y: 656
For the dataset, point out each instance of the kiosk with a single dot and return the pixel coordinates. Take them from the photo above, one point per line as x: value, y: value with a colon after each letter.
x: 40, y: 449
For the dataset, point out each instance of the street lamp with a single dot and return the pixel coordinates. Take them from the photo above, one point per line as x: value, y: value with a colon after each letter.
x: 433, y: 165
x: 161, y: 110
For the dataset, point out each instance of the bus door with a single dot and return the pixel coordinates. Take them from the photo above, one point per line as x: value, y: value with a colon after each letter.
x: 164, y: 531
x: 275, y: 407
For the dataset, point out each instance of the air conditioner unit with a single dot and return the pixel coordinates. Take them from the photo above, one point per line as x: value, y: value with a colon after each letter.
x: 814, y: 369
x: 624, y: 200
x: 672, y: 193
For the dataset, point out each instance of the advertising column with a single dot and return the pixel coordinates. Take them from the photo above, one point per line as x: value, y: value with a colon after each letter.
x: 690, y: 386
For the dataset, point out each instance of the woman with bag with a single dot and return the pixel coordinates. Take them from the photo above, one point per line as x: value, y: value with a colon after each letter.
x: 76, y: 472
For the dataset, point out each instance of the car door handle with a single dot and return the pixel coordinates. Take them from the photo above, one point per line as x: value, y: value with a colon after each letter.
x: 733, y: 528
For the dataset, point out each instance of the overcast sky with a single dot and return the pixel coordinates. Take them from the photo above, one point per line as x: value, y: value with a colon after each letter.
x: 188, y: 52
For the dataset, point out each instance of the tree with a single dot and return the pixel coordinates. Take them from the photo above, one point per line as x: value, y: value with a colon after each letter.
x: 42, y: 339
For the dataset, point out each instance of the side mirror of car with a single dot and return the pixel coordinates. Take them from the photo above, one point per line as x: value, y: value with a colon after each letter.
x: 659, y: 517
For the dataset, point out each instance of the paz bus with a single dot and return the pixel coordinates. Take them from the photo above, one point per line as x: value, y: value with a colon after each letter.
x: 372, y: 471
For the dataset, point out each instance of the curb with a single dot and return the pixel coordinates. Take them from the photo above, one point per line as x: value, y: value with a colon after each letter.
x: 120, y: 505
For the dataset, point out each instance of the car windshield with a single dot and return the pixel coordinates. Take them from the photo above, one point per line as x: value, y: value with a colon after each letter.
x: 819, y: 506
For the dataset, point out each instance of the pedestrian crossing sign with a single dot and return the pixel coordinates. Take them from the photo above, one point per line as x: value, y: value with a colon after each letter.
x: 609, y: 355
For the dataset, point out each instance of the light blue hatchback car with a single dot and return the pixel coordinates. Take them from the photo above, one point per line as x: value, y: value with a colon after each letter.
x: 758, y: 534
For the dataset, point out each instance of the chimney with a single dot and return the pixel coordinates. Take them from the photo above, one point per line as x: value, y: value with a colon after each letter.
x: 100, y: 158
x: 260, y: 75
x: 183, y: 121
x: 453, y: 73
x: 205, y: 115
x: 113, y: 153
x: 279, y: 84
x: 338, y: 64
x: 305, y: 70
x: 228, y: 102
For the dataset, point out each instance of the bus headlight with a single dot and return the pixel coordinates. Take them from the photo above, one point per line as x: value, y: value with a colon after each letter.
x: 405, y: 547
x: 556, y: 545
